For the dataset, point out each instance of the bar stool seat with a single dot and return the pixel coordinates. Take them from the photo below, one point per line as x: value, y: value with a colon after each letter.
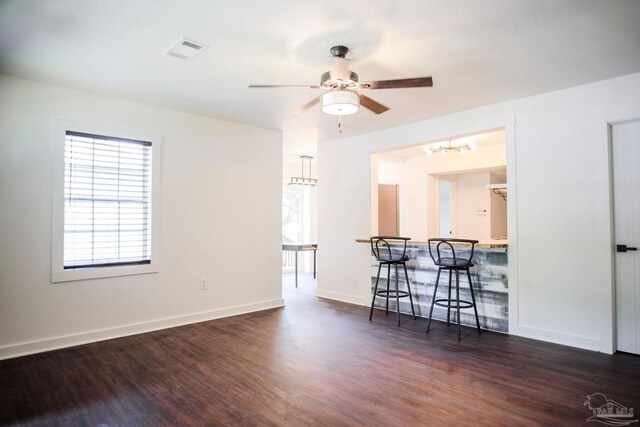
x: 452, y: 263
x: 381, y: 250
x: 391, y: 259
x: 455, y: 262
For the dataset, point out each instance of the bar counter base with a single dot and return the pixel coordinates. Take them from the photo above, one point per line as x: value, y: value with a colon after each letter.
x: 489, y: 277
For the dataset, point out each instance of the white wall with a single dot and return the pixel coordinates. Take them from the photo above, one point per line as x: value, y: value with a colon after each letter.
x: 220, y: 206
x: 560, y: 269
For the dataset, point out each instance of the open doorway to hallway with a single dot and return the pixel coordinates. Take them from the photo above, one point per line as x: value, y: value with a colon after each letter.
x: 299, y: 222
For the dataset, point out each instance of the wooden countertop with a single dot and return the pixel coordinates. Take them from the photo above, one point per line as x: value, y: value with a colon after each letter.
x: 484, y: 244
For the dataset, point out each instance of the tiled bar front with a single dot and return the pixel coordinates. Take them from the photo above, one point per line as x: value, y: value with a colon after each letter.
x: 489, y: 276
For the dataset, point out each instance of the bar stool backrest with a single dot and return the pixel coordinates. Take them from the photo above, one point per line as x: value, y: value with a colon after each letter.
x: 440, y: 260
x: 382, y: 249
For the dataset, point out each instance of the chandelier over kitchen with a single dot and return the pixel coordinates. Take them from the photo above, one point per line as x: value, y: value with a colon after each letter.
x: 450, y: 145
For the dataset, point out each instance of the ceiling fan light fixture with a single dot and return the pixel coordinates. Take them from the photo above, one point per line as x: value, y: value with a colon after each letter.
x: 343, y: 98
x: 340, y: 102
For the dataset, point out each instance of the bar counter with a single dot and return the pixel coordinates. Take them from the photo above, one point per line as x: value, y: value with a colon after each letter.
x: 484, y: 244
x: 489, y: 276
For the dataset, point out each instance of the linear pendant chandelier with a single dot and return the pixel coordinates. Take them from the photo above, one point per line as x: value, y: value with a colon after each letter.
x: 302, y: 180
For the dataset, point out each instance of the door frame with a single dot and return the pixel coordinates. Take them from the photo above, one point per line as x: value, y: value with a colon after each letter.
x: 612, y: 231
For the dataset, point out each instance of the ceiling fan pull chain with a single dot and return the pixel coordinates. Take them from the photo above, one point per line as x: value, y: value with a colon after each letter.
x: 340, y: 124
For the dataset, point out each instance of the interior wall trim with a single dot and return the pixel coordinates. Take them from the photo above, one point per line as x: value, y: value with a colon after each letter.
x: 48, y: 344
x: 348, y: 298
x: 587, y: 343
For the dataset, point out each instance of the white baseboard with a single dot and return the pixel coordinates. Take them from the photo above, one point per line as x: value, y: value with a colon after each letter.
x: 23, y: 349
x: 338, y: 296
x: 587, y: 343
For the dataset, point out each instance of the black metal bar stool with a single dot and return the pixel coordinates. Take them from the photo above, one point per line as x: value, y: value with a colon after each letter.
x: 446, y: 259
x: 385, y: 256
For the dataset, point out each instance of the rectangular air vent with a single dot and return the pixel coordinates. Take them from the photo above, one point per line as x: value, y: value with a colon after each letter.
x: 185, y: 49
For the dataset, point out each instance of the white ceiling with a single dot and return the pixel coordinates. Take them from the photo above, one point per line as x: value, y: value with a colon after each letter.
x: 478, y: 52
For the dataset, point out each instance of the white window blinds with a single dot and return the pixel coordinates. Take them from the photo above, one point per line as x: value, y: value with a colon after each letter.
x: 107, y: 208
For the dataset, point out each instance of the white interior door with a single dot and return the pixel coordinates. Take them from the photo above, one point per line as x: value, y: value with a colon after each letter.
x: 626, y: 192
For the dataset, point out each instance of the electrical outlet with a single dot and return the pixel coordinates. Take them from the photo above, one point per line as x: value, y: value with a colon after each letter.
x: 354, y: 284
x: 203, y: 283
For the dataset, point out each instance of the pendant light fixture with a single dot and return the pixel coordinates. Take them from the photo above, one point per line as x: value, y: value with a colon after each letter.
x: 302, y: 180
x: 450, y: 145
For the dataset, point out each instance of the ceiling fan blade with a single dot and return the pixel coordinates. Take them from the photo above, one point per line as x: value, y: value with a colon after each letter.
x: 372, y: 105
x: 397, y: 84
x: 308, y: 105
x: 272, y: 86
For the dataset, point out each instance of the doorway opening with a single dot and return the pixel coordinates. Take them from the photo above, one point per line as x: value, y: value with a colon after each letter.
x: 468, y: 206
x: 299, y: 226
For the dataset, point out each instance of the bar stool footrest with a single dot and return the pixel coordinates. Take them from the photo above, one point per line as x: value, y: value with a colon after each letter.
x: 392, y: 294
x: 453, y: 303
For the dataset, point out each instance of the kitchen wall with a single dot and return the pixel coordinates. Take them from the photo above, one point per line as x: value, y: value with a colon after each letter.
x: 221, y: 192
x: 559, y: 206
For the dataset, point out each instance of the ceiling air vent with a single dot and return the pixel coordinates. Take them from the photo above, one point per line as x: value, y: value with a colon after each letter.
x: 186, y: 49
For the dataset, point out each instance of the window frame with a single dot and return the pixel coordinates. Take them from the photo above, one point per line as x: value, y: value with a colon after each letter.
x: 58, y: 272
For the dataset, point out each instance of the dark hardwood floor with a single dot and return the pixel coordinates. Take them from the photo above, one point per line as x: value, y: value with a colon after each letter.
x: 315, y: 362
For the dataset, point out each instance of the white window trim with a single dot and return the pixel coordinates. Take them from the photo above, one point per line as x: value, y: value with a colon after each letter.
x: 58, y: 273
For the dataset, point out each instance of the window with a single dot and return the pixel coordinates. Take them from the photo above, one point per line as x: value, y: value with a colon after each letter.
x: 293, y: 218
x: 105, y: 219
x: 107, y: 201
x: 298, y: 223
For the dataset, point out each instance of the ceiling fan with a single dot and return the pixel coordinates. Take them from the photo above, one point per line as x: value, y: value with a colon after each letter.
x: 344, y: 95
